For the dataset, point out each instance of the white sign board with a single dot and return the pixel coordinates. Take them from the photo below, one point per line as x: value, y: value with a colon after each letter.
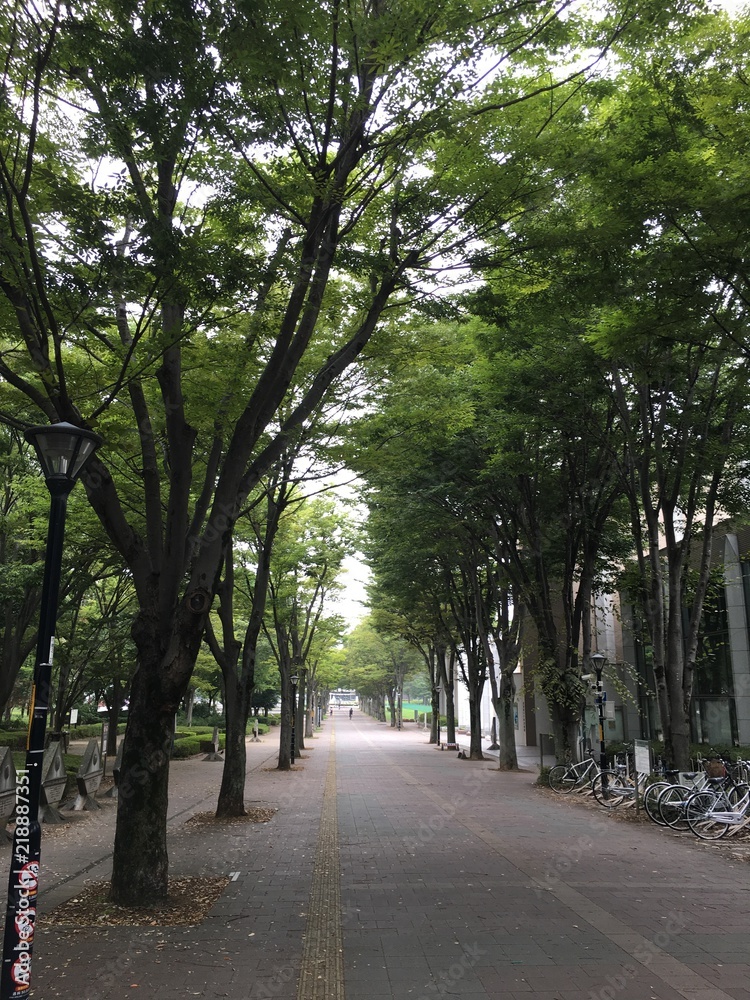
x: 642, y: 751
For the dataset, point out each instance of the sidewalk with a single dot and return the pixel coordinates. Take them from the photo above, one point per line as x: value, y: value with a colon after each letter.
x: 395, y: 871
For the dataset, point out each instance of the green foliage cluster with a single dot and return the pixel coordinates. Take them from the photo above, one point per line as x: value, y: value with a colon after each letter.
x: 15, y: 739
x: 188, y: 743
x: 90, y: 732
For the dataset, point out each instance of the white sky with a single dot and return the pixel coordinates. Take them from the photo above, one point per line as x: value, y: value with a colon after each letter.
x: 351, y: 603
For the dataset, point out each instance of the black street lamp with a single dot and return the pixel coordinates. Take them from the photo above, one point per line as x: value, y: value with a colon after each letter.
x: 294, y: 679
x: 597, y: 661
x: 62, y: 450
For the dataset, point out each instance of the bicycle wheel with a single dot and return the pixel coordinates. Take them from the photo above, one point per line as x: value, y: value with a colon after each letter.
x: 699, y: 814
x: 737, y: 795
x: 562, y: 778
x: 671, y: 806
x: 609, y: 789
x: 650, y: 803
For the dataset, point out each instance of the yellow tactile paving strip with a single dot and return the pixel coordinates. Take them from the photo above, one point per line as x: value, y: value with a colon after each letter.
x: 322, y: 971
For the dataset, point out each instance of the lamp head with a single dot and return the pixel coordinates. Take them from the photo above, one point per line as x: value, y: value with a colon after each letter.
x: 294, y: 678
x: 63, y: 450
x: 597, y: 662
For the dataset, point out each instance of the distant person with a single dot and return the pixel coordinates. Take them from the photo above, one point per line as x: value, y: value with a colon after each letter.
x: 351, y: 712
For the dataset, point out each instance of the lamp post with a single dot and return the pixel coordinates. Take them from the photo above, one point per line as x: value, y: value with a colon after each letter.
x: 63, y: 450
x: 294, y: 679
x: 597, y: 661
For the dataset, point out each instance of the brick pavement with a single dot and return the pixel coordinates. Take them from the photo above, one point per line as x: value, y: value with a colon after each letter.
x: 454, y: 879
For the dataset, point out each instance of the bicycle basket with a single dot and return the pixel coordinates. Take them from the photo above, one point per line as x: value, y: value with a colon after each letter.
x: 715, y: 769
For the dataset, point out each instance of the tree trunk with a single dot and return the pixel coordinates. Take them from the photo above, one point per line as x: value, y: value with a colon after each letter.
x: 15, y: 649
x: 677, y: 732
x: 166, y: 655
x: 447, y: 664
x: 392, y: 706
x: 435, y: 708
x: 58, y: 715
x: 231, y: 801
x: 285, y: 734
x: 140, y: 863
x: 565, y: 733
x: 189, y: 705
x: 475, y: 722
x: 310, y: 713
x: 507, y: 755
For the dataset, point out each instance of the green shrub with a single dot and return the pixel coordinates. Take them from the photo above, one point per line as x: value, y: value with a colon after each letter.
x: 91, y: 732
x: 16, y: 723
x: 443, y: 720
x: 15, y: 739
x: 188, y: 745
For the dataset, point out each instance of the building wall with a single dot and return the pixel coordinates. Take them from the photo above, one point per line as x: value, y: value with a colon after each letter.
x: 461, y: 700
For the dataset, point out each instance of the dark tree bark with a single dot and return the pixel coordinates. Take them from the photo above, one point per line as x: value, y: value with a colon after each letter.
x: 391, y: 695
x: 506, y: 629
x: 141, y: 874
x: 237, y: 659
x: 465, y: 594
x: 447, y: 665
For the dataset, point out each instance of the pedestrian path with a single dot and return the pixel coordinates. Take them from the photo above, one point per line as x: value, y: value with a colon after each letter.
x: 392, y: 870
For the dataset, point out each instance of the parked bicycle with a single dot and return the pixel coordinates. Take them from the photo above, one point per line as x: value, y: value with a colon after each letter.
x: 665, y: 802
x: 670, y: 805
x: 712, y: 812
x: 569, y: 777
x: 618, y: 785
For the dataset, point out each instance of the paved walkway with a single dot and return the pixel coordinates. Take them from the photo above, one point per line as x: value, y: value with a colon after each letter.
x: 392, y: 870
